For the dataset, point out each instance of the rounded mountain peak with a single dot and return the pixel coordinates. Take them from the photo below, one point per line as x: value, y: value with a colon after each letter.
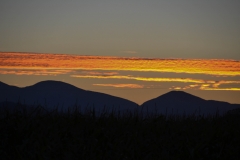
x: 179, y: 95
x: 51, y: 84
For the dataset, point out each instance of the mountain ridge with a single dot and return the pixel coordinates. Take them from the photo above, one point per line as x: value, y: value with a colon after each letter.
x: 56, y: 93
x: 180, y: 102
x: 52, y: 94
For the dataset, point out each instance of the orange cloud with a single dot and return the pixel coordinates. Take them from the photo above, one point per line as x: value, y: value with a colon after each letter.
x: 99, y: 73
x: 185, y: 80
x: 34, y: 72
x: 206, y: 87
x: 218, y: 83
x: 212, y: 87
x: 177, y: 88
x: 193, y: 85
x: 63, y: 61
x: 200, y: 84
x: 120, y: 85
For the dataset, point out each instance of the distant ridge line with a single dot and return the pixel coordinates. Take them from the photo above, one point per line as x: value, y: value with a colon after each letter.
x: 51, y: 93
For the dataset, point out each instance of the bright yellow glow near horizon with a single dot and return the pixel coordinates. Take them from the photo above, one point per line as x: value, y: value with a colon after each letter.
x: 108, y: 68
x: 219, y: 67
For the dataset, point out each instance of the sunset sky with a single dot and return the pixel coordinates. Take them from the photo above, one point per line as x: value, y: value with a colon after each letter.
x: 133, y: 49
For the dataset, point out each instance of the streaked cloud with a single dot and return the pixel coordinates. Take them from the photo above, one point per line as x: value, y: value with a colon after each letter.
x: 99, y: 73
x: 198, y: 83
x: 63, y: 61
x: 193, y: 85
x: 222, y: 74
x: 225, y: 82
x: 38, y: 72
x: 222, y: 89
x: 208, y: 87
x: 177, y: 88
x: 148, y: 79
x: 121, y: 85
x: 52, y: 72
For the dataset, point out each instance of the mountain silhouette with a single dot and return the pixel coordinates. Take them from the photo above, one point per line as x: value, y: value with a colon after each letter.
x: 4, y: 87
x: 64, y: 96
x: 182, y: 103
x: 56, y: 94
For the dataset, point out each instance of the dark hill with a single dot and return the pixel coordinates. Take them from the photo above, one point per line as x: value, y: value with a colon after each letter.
x: 180, y: 103
x: 54, y: 85
x: 179, y: 96
x: 55, y: 94
x: 52, y: 94
x: 4, y: 86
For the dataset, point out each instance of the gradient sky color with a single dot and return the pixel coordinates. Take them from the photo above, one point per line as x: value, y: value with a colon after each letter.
x: 134, y: 49
x: 153, y: 28
x: 123, y: 72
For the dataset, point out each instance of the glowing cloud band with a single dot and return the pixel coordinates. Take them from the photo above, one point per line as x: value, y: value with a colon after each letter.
x: 72, y: 62
x: 121, y: 85
x: 185, y: 80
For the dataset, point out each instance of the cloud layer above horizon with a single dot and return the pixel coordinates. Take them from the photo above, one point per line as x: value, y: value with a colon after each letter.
x: 212, y: 74
x: 219, y: 67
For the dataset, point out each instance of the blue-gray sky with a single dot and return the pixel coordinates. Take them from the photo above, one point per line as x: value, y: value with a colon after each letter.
x: 139, y: 28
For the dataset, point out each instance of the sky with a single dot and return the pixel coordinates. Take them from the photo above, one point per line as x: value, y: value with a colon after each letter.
x: 133, y: 49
